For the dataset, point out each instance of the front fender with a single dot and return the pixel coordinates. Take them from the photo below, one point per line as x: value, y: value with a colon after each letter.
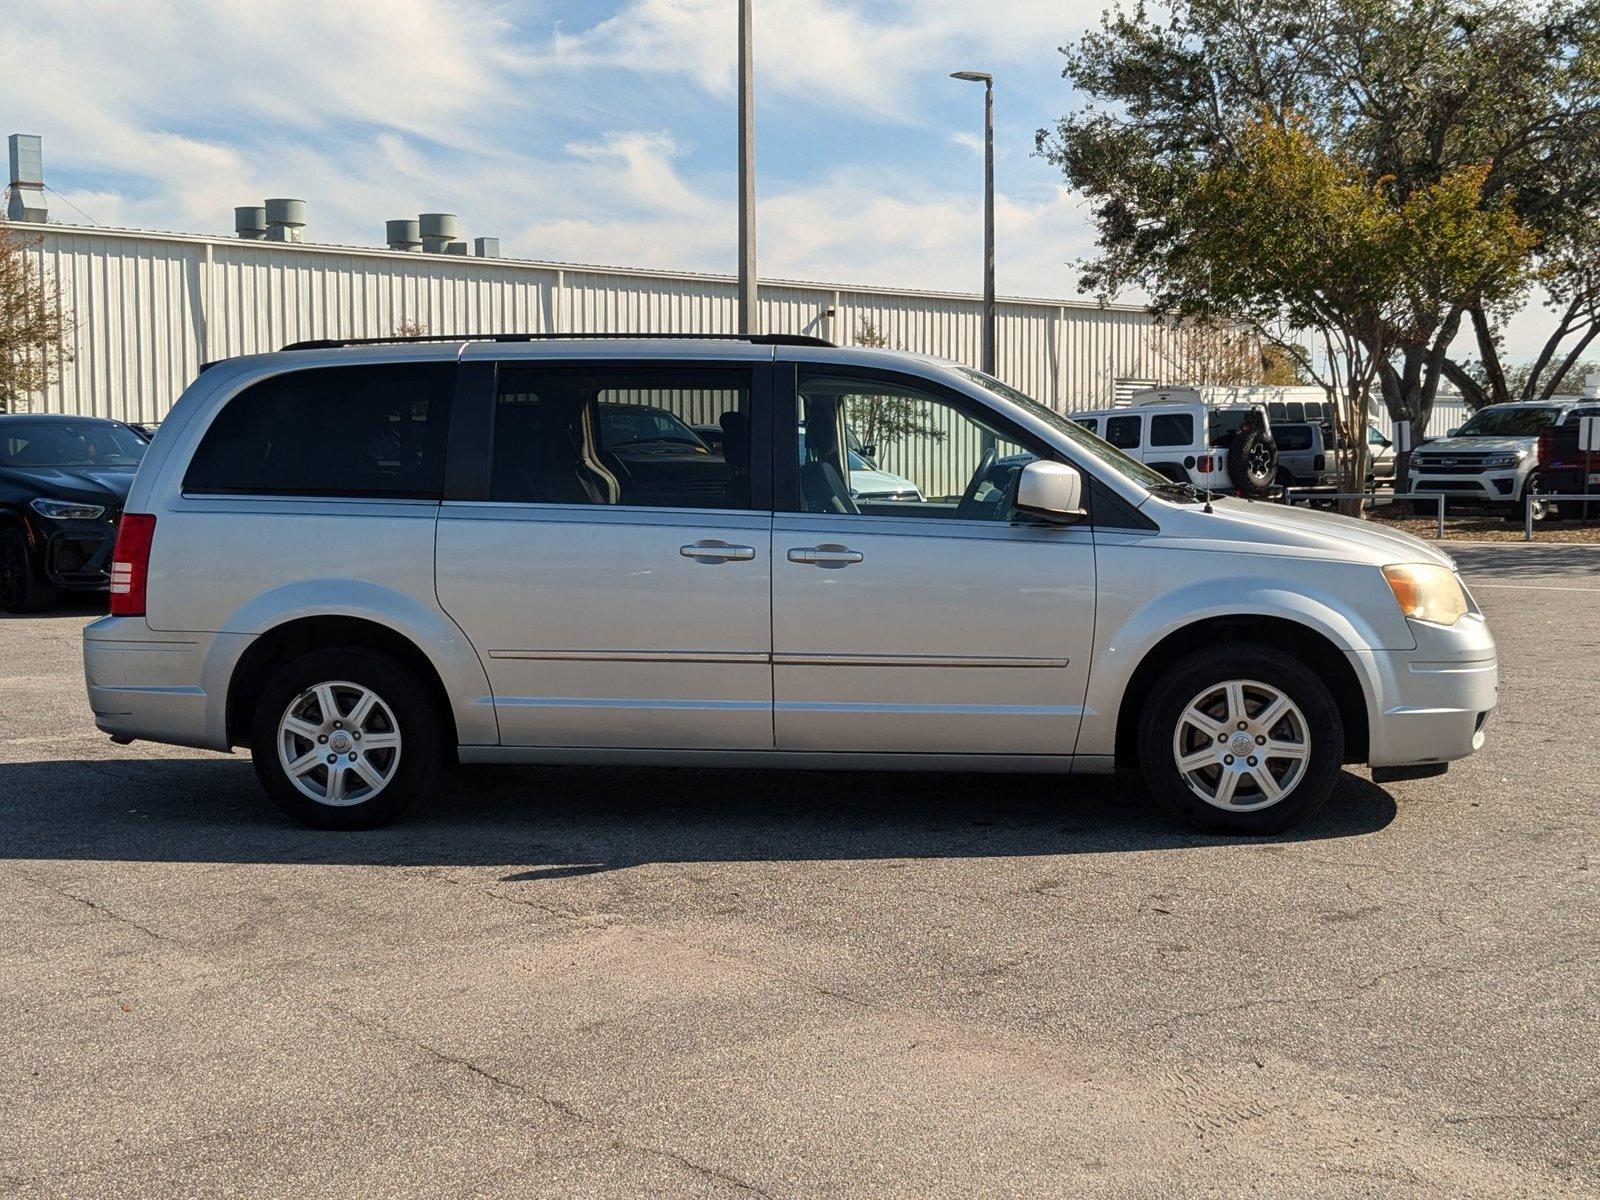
x: 1138, y: 606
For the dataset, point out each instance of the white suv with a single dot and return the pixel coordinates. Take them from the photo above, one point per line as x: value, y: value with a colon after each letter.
x: 367, y: 561
x: 1214, y: 448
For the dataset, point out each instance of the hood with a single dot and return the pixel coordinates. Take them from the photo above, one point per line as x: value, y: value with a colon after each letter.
x: 1478, y: 445
x: 875, y: 483
x: 96, y: 485
x: 1320, y: 533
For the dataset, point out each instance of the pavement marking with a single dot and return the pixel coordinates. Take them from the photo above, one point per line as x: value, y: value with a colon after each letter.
x: 1534, y: 587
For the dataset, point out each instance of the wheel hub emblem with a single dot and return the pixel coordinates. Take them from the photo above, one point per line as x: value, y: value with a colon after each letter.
x: 340, y: 743
x: 1242, y: 744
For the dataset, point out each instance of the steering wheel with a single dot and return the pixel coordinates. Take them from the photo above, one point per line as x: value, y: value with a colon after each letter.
x: 969, y: 498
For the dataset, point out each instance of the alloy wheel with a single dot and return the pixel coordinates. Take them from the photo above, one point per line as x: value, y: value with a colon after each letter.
x: 339, y: 743
x: 1241, y: 745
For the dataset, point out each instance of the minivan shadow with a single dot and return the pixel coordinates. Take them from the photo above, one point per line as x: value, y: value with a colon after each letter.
x: 547, y: 823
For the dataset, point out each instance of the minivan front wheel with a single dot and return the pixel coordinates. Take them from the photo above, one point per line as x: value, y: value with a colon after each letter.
x: 344, y: 739
x: 1241, y: 738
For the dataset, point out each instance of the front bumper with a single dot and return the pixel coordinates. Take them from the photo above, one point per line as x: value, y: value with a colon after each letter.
x: 160, y: 687
x: 74, y: 555
x: 1486, y: 487
x: 1430, y: 704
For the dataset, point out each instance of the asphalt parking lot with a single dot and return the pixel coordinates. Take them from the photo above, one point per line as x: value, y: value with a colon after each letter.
x: 628, y: 983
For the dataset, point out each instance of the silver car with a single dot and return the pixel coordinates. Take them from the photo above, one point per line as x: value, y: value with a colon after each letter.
x: 366, y: 562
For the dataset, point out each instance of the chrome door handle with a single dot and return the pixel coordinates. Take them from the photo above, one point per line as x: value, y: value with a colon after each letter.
x: 712, y: 550
x: 826, y: 555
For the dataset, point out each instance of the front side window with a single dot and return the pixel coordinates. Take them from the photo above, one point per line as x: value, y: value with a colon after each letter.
x: 373, y: 431
x: 930, y: 457
x: 1123, y: 432
x: 1092, y: 424
x: 1171, y: 429
x: 69, y: 443
x: 626, y: 435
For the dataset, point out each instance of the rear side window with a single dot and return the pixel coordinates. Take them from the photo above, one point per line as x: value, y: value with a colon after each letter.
x: 1092, y: 424
x: 1123, y: 432
x: 1171, y: 429
x: 1292, y: 437
x: 376, y: 430
x: 621, y: 435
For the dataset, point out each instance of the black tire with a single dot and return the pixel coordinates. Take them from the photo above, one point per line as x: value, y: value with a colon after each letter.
x: 1252, y: 461
x: 1518, y: 512
x: 23, y: 588
x: 415, y: 718
x: 1186, y: 681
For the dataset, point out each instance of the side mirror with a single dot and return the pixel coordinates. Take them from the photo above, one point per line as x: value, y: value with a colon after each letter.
x: 869, y: 450
x: 1451, y: 432
x: 1052, y: 491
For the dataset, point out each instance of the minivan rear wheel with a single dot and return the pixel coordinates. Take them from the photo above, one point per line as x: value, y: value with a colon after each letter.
x: 1241, y: 738
x: 345, y: 739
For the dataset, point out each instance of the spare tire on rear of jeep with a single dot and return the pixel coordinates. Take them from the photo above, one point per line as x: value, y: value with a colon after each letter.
x: 1252, y: 461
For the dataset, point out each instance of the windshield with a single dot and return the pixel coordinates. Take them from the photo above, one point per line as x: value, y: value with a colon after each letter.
x: 69, y: 444
x: 1082, y: 440
x: 1508, y: 422
x: 637, y: 426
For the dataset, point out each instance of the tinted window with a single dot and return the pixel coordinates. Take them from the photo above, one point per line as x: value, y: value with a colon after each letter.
x: 1123, y: 432
x: 621, y: 436
x: 1171, y: 429
x: 933, y: 459
x: 1506, y: 421
x: 374, y: 430
x: 1295, y: 410
x: 1292, y: 437
x: 68, y: 443
x: 1226, y: 422
x: 1092, y: 424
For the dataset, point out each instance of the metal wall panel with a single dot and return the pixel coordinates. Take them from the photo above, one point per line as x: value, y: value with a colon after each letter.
x: 149, y: 308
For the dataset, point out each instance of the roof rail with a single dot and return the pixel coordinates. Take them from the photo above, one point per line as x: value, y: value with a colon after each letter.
x: 754, y: 339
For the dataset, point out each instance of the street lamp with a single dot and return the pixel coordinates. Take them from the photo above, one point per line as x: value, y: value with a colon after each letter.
x: 987, y: 80
x: 749, y: 313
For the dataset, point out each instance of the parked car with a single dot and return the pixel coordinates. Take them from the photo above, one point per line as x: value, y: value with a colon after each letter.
x: 1303, y: 455
x: 445, y: 572
x: 145, y: 429
x: 63, y: 481
x: 1493, y: 459
x: 1225, y: 449
x: 1381, y: 458
x: 1564, y: 469
x: 864, y: 480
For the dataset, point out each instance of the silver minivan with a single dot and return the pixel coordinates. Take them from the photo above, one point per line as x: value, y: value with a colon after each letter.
x: 368, y: 561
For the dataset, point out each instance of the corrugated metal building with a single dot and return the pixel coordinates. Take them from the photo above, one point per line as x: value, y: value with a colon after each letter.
x: 148, y: 308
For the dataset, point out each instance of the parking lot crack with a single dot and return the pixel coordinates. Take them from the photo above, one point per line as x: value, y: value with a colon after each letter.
x: 110, y: 914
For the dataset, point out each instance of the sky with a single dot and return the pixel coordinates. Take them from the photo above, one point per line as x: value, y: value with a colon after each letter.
x: 598, y: 132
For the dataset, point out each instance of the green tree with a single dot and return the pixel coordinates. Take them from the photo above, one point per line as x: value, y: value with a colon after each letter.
x: 1287, y: 239
x: 880, y: 419
x: 1405, y: 92
x: 32, y: 325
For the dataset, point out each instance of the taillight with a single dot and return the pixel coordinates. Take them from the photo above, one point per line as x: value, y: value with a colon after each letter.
x: 1203, y: 463
x: 130, y: 564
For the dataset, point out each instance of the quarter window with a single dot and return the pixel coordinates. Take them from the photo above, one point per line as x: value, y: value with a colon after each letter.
x: 376, y: 430
x: 621, y: 436
x: 1123, y: 432
x: 1171, y: 429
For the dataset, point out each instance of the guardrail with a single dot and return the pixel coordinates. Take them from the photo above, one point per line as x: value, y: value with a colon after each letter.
x: 1290, y: 495
x: 1558, y: 497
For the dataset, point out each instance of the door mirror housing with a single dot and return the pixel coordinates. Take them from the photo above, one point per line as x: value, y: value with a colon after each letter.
x: 1051, y: 491
x: 1451, y: 432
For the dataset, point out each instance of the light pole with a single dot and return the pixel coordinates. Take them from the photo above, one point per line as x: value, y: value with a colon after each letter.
x: 987, y: 80
x: 748, y: 319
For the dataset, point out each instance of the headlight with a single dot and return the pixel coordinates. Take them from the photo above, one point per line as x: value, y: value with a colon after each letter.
x: 66, y: 510
x: 1427, y: 593
x: 1506, y: 460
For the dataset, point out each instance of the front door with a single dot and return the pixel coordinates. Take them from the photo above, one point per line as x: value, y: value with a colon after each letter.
x: 615, y: 578
x: 910, y: 614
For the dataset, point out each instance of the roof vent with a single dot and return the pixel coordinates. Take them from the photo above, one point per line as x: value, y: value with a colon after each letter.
x: 250, y: 222
x: 456, y: 247
x: 486, y: 247
x: 403, y: 234
x: 438, y: 230
x: 286, y: 220
x: 27, y: 179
